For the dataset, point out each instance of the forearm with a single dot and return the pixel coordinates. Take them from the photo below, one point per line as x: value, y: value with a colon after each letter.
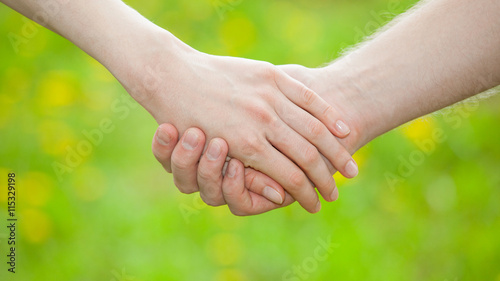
x: 435, y: 55
x: 108, y: 30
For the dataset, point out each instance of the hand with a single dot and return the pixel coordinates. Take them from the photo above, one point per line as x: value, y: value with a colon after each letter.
x: 208, y: 174
x: 245, y: 190
x: 254, y: 107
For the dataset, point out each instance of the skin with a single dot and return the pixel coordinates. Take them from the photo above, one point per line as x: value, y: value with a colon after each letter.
x: 269, y: 121
x: 438, y: 53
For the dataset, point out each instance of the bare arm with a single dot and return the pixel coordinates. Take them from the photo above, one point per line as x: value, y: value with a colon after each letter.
x: 103, y: 29
x: 436, y: 54
x: 265, y: 116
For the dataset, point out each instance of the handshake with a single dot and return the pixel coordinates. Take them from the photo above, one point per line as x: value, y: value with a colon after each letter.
x: 256, y: 136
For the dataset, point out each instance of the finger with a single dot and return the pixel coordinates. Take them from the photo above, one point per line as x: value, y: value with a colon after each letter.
x: 277, y: 166
x: 185, y: 160
x: 317, y: 134
x: 240, y: 200
x: 306, y: 156
x: 210, y: 172
x: 307, y: 99
x: 210, y: 178
x: 164, y: 142
x: 262, y: 184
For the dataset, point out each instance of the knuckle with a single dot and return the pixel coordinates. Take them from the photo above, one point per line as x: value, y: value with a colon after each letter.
x: 167, y: 165
x: 252, y: 147
x: 265, y: 92
x: 311, y: 155
x: 181, y: 163
x: 259, y: 111
x: 316, y: 128
x: 327, y: 183
x: 307, y: 96
x: 269, y: 72
x: 205, y: 174
x: 328, y: 111
x: 160, y: 156
x: 297, y: 180
x: 250, y: 178
x: 275, y: 124
x: 331, y: 182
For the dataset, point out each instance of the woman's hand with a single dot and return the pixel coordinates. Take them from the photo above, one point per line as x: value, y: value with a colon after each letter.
x: 265, y: 116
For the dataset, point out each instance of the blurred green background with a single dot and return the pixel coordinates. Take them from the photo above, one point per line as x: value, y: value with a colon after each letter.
x: 118, y: 216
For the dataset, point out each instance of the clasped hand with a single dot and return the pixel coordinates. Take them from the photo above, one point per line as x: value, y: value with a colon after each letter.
x: 279, y: 133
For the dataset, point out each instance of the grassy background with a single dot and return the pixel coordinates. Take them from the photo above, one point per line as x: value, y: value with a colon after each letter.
x: 117, y: 215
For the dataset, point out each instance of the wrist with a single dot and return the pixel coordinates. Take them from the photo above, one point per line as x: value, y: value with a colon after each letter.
x: 338, y: 88
x: 150, y: 64
x: 131, y: 47
x: 353, y: 92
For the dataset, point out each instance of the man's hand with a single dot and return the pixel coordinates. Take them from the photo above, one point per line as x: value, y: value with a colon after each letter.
x: 245, y: 190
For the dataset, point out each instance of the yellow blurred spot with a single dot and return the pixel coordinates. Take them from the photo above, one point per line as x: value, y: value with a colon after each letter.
x: 230, y: 275
x: 238, y: 34
x: 57, y: 89
x: 419, y: 129
x: 55, y: 136
x: 224, y: 249
x: 36, y: 225
x: 340, y: 180
x: 37, y: 188
x: 360, y: 158
x: 90, y: 183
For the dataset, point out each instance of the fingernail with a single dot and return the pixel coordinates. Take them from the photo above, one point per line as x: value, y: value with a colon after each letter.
x: 342, y: 127
x: 351, y: 169
x: 231, y: 170
x: 273, y: 195
x: 335, y: 194
x: 163, y: 137
x: 214, y: 150
x: 190, y: 140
